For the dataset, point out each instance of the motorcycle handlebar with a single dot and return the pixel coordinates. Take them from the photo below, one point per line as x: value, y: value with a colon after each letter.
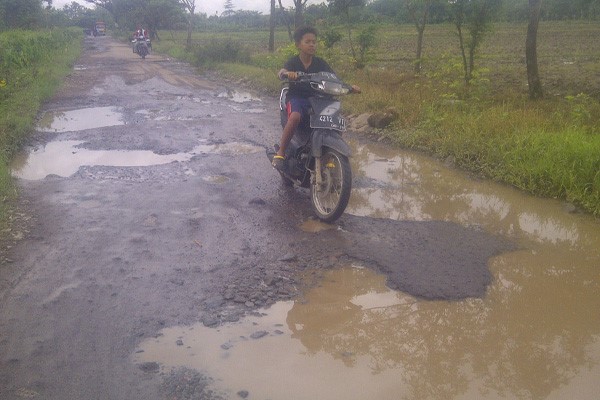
x: 285, y: 75
x: 307, y: 76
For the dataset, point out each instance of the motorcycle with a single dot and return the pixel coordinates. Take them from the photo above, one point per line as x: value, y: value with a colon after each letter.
x: 141, y: 46
x: 317, y: 156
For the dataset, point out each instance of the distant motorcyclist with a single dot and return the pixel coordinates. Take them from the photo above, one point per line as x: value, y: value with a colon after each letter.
x: 139, y: 34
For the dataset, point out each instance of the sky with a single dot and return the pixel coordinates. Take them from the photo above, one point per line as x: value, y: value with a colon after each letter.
x: 209, y: 7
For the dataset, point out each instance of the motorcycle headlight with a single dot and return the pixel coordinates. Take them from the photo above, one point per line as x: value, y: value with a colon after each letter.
x: 334, y: 88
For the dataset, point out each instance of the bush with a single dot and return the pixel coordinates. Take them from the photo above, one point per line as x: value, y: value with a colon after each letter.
x: 220, y: 51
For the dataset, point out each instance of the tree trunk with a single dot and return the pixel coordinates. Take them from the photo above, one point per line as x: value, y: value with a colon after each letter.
x: 461, y: 43
x: 420, y: 22
x: 287, y: 20
x: 298, y: 14
x: 420, y: 31
x: 272, y: 28
x: 188, y: 41
x: 349, y: 27
x: 533, y: 77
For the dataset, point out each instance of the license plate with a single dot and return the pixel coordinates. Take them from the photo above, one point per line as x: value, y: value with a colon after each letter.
x: 328, y: 121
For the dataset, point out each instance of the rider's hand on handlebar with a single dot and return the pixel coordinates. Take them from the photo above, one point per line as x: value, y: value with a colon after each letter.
x: 289, y: 75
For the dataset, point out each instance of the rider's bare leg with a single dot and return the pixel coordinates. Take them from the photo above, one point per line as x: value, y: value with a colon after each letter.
x: 288, y: 132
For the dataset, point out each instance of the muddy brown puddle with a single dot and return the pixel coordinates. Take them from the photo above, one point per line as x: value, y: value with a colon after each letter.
x: 534, y: 335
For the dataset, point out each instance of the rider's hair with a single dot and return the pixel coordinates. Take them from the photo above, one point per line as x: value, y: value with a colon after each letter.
x: 303, y: 30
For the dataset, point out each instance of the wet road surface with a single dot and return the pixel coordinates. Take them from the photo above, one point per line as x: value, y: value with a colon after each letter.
x: 160, y: 258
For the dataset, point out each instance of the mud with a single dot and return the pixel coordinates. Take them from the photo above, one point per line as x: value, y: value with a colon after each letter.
x: 116, y: 252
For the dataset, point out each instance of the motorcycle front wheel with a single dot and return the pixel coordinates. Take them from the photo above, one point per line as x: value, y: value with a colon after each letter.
x: 143, y: 52
x: 330, y: 198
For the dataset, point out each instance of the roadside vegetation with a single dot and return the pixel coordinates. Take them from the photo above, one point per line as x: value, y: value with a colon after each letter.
x: 33, y: 64
x: 506, y: 89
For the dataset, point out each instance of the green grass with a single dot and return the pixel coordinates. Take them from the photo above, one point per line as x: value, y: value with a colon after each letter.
x: 33, y: 64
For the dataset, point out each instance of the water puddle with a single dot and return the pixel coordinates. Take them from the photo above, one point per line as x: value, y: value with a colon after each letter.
x: 78, y: 120
x: 280, y: 355
x: 64, y: 158
x: 231, y: 148
x: 536, y: 334
x: 216, y: 179
x: 314, y: 226
x: 353, y: 338
x: 238, y: 97
x: 249, y: 110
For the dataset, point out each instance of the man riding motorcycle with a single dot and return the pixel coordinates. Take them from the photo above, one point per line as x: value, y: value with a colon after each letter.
x: 140, y: 34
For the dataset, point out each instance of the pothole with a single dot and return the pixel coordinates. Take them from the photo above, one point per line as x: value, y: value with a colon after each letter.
x: 237, y: 96
x: 350, y: 337
x: 81, y: 119
x: 216, y: 179
x: 64, y: 158
x: 314, y: 226
x: 307, y: 349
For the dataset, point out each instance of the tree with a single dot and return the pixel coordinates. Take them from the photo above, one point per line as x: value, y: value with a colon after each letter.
x: 272, y: 27
x: 190, y: 7
x: 343, y: 7
x: 533, y: 76
x: 418, y: 10
x: 229, y: 8
x: 106, y: 4
x: 476, y: 16
x: 25, y: 14
x: 158, y: 14
x: 74, y: 10
x: 299, y: 6
x: 153, y: 14
x: 287, y: 20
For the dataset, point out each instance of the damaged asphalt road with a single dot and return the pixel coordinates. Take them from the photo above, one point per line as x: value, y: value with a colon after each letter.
x: 171, y: 216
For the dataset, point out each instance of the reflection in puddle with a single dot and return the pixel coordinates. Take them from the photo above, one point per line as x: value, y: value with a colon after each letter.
x: 77, y: 120
x: 64, y: 158
x: 279, y: 355
x: 233, y: 148
x: 537, y: 332
x: 249, y: 110
x: 353, y: 338
x: 238, y: 97
x: 217, y: 179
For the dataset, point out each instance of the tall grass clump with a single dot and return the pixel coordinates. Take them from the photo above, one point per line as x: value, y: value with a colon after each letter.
x: 220, y: 51
x: 32, y: 66
x: 537, y: 147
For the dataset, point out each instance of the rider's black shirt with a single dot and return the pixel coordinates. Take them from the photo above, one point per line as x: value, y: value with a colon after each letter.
x: 294, y: 64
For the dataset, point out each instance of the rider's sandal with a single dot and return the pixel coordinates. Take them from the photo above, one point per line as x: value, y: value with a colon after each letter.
x: 278, y: 162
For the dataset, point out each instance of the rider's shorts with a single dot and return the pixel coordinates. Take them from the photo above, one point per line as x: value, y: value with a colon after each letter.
x: 298, y: 104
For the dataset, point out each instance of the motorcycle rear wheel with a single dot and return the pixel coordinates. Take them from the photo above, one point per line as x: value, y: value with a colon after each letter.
x: 330, y: 199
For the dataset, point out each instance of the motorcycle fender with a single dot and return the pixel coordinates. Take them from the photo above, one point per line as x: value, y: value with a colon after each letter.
x: 326, y: 138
